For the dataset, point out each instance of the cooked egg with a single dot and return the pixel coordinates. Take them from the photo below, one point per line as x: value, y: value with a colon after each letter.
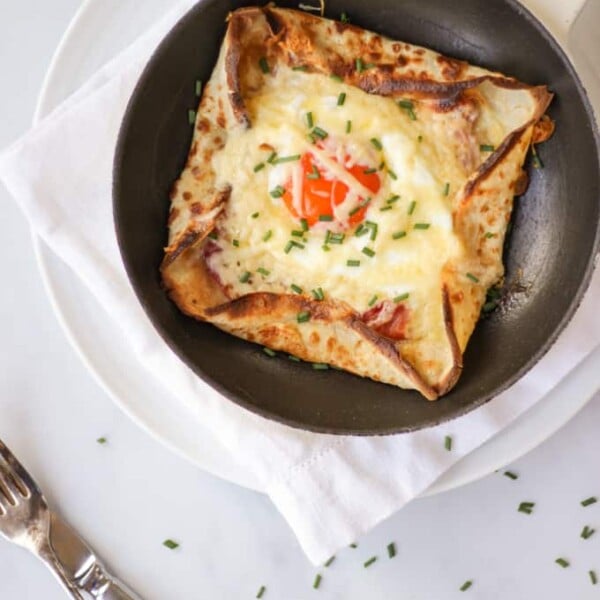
x: 353, y: 197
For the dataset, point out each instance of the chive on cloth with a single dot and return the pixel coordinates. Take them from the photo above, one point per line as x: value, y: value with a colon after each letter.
x: 330, y: 489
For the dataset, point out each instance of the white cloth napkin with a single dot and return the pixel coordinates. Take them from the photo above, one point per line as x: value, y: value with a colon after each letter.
x: 331, y: 489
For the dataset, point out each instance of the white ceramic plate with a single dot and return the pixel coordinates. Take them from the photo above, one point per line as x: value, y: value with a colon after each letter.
x: 99, y: 30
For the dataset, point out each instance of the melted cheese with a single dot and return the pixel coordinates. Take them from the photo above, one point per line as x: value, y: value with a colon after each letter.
x: 421, y: 153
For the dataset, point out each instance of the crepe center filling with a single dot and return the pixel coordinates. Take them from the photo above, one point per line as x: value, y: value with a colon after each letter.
x: 350, y: 200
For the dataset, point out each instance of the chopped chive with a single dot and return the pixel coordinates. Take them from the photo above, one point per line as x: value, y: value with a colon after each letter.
x: 466, y: 585
x: 264, y: 65
x: 392, y: 174
x: 336, y: 78
x: 191, y: 116
x: 267, y: 235
x: 320, y: 133
x: 317, y: 581
x: 448, y: 443
x: 263, y: 271
x: 373, y: 300
x: 361, y: 230
x: 360, y: 65
x: 259, y: 166
x: 296, y: 288
x: 334, y: 238
x: 353, y: 545
x: 297, y: 233
x: 277, y: 192
x: 341, y: 99
x: 421, y: 225
x: 314, y: 174
x: 269, y: 352
x: 348, y: 126
x: 489, y: 307
x: 511, y: 475
x: 272, y: 157
x: 353, y: 263
x: 392, y: 199
x: 344, y: 18
x: 376, y: 143
x: 374, y: 228
x: 526, y: 507
x: 213, y: 235
x: 318, y: 294
x: 369, y: 171
x: 564, y: 563
x: 398, y: 235
x: 487, y: 148
x: 320, y: 366
x: 101, y: 440
x: 386, y: 207
x: 359, y: 207
x: 472, y: 277
x: 494, y: 293
x: 309, y: 120
x: 293, y: 358
x: 381, y: 165
x: 236, y: 243
x: 411, y: 208
x: 409, y: 107
x: 369, y: 562
x: 325, y: 248
x: 593, y: 577
x: 446, y: 189
x: 261, y: 591
x: 325, y: 217
x: 292, y: 244
x: 303, y: 317
x: 300, y: 68
x: 537, y: 161
x: 489, y: 234
x: 368, y: 251
x: 284, y: 159
x: 329, y: 561
x: 391, y: 548
x: 255, y: 215
x: 588, y: 501
x: 587, y: 532
x: 245, y: 276
x: 304, y: 224
x: 170, y: 544
x: 419, y: 138
x: 401, y: 297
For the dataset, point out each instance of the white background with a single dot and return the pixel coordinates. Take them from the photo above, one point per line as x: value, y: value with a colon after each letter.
x: 127, y: 496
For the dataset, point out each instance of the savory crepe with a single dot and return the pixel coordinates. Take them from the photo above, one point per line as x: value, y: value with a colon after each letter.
x: 346, y: 196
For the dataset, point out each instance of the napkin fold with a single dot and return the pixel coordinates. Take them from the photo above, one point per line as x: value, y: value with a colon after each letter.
x: 330, y: 489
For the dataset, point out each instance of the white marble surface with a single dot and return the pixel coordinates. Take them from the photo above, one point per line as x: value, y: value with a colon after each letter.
x: 128, y: 496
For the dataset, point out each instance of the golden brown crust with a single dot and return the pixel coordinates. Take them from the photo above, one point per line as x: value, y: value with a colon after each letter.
x: 335, y: 333
x: 450, y: 379
x: 271, y: 319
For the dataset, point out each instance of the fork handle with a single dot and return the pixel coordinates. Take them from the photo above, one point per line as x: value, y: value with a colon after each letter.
x: 100, y: 585
x: 55, y: 567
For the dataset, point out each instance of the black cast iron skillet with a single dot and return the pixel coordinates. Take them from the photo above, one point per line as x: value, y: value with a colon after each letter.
x: 551, y: 248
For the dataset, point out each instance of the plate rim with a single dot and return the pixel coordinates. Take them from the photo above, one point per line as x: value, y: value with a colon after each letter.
x: 44, y: 255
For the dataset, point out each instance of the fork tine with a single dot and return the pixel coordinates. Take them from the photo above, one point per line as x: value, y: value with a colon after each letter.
x: 18, y: 471
x: 8, y: 489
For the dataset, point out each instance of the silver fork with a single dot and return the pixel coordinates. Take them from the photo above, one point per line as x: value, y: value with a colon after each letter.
x: 26, y: 520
